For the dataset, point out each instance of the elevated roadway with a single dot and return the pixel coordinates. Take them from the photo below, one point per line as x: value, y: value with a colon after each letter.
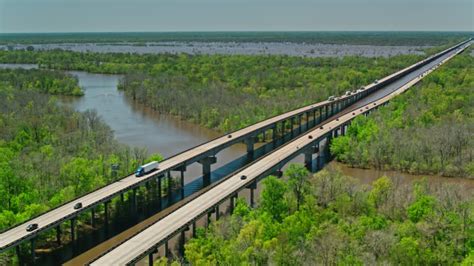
x: 146, y: 242
x: 18, y: 234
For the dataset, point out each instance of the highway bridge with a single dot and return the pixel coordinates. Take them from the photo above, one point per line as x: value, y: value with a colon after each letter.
x: 147, y: 242
x: 205, y: 154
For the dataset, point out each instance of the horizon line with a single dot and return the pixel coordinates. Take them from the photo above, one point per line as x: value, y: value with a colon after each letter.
x: 243, y: 31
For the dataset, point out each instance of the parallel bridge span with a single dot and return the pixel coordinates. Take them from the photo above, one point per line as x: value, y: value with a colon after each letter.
x: 146, y: 242
x: 14, y: 236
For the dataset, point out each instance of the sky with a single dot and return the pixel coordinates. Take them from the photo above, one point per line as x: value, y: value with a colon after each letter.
x: 234, y: 15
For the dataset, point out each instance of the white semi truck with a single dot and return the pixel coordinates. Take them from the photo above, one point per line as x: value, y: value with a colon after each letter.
x: 146, y: 168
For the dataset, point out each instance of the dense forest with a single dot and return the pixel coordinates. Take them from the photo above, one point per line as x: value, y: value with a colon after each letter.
x: 45, y: 81
x: 327, y: 37
x: 50, y: 154
x: 331, y: 219
x: 231, y: 92
x: 429, y: 129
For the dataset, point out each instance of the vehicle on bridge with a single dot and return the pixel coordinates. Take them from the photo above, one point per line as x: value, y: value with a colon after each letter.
x: 32, y: 227
x: 146, y: 168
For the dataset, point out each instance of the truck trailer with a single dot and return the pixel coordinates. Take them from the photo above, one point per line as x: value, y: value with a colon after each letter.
x: 146, y: 168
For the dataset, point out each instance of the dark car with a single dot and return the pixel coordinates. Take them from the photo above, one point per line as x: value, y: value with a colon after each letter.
x: 77, y: 206
x: 243, y: 177
x: 31, y: 227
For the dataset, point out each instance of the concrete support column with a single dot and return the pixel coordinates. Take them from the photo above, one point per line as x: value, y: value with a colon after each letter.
x: 326, y: 108
x: 250, y: 146
x: 252, y: 188
x: 308, y: 120
x: 300, y: 124
x: 314, y: 118
x: 167, y: 250
x: 150, y: 259
x: 182, y: 239
x: 134, y: 199
x: 18, y: 255
x: 206, y: 169
x: 182, y: 184
x: 33, y: 248
x: 106, y: 212
x: 292, y: 123
x: 58, y: 234
x: 93, y: 217
x: 208, y: 219
x: 343, y: 129
x: 318, y: 162
x: 217, y: 212
x: 232, y: 204
x: 168, y: 194
x: 194, y: 229
x: 326, y: 149
x: 121, y: 198
x: 274, y: 133
x: 73, y: 233
x: 159, y: 191
x: 308, y: 157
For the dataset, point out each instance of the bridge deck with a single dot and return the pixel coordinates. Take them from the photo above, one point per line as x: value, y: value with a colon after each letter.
x: 141, y: 244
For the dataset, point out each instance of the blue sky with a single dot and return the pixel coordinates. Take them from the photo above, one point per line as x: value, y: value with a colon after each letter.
x: 234, y: 15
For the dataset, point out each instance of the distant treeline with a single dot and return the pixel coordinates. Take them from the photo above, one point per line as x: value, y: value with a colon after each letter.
x: 336, y: 37
x: 429, y: 129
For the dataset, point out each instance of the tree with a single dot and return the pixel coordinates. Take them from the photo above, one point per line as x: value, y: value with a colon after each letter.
x: 273, y: 198
x: 297, y: 181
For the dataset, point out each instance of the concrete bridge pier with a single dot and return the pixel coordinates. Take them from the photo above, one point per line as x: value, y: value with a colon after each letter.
x: 232, y: 202
x: 93, y: 217
x: 206, y: 168
x: 292, y: 123
x: 194, y: 229
x: 158, y: 182
x: 250, y: 147
x: 252, y: 188
x: 274, y: 133
x: 168, y: 187
x: 33, y: 250
x: 300, y: 124
x: 106, y: 213
x: 167, y: 250
x: 18, y: 255
x: 216, y: 209
x: 150, y: 257
x: 208, y: 222
x: 58, y: 234
x: 73, y: 233
x: 308, y: 157
x: 134, y: 200
x: 181, y: 169
x: 182, y: 240
x: 283, y: 124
